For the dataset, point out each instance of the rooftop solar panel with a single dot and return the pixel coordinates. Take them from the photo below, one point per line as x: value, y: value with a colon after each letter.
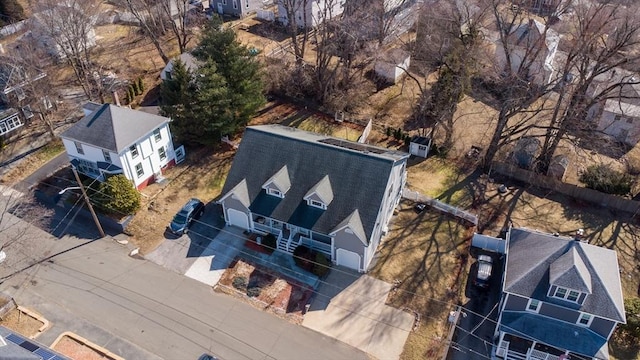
x: 15, y: 339
x: 29, y: 346
x: 45, y: 354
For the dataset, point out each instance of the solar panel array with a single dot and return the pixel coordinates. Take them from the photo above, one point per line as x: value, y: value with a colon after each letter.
x: 353, y: 146
x: 34, y: 348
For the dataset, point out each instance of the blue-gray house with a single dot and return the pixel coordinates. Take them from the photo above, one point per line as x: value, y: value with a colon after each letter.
x: 561, y: 298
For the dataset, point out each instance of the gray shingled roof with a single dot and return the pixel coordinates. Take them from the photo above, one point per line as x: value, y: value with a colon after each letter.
x: 358, y: 178
x: 571, y: 272
x: 113, y: 128
x: 559, y: 334
x: 529, y: 260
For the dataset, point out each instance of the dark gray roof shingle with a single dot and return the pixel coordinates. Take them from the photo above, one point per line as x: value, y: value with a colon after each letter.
x: 531, y: 256
x: 113, y: 128
x: 358, y: 178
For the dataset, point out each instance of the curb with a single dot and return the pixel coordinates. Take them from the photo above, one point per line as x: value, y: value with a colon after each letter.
x: 45, y: 323
x: 87, y: 343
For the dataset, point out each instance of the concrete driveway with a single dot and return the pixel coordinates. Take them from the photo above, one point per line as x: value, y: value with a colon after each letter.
x: 351, y: 308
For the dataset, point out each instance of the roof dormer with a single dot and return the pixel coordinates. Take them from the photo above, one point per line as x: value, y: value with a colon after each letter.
x: 569, y: 278
x: 320, y: 195
x: 279, y: 183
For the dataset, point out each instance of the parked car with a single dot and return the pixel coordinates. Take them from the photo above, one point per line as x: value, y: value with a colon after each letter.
x: 193, y: 209
x: 207, y: 357
x: 485, y: 266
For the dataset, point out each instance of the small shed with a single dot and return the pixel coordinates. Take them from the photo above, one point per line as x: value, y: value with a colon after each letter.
x: 420, y: 145
x: 392, y: 64
x: 558, y: 167
x: 489, y: 243
x: 526, y: 151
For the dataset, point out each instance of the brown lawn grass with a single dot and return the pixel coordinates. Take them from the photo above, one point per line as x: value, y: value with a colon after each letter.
x: 427, y: 252
x: 33, y: 162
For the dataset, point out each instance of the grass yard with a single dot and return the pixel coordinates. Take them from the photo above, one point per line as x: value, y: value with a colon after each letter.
x: 201, y: 176
x: 33, y: 162
x: 427, y: 253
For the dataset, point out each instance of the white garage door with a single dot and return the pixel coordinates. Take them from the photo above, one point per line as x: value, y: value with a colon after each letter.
x: 348, y: 258
x: 238, y: 218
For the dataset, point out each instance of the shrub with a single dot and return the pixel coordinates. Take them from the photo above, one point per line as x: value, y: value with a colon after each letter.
x: 607, y: 180
x: 136, y: 89
x: 632, y: 309
x: 322, y: 265
x: 118, y: 196
x: 389, y: 131
x: 131, y: 92
x: 140, y: 85
x: 300, y: 256
x: 239, y: 283
x: 254, y: 291
x: 269, y: 241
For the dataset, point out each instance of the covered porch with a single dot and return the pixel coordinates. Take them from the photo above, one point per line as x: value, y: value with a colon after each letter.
x: 512, y: 347
x: 289, y: 236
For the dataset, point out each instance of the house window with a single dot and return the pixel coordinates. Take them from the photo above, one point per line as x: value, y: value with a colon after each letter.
x: 157, y: 135
x: 139, y: 170
x: 585, y: 319
x: 79, y: 148
x: 162, y: 153
x: 26, y: 111
x: 566, y: 294
x: 106, y: 155
x: 88, y: 167
x: 275, y: 192
x: 235, y: 4
x: 533, y: 305
x: 167, y: 74
x: 422, y: 147
x: 224, y: 2
x: 134, y: 151
x: 317, y: 204
x: 9, y: 124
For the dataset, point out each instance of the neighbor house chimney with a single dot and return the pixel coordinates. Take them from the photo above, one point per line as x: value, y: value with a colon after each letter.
x: 116, y: 99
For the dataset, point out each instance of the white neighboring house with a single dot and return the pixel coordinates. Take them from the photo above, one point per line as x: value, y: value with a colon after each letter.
x: 187, y: 59
x: 51, y: 29
x: 118, y: 140
x: 9, y: 120
x: 393, y: 65
x: 531, y: 42
x: 309, y: 13
x: 618, y: 117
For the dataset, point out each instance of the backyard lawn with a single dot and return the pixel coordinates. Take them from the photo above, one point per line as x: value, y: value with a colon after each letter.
x: 427, y: 254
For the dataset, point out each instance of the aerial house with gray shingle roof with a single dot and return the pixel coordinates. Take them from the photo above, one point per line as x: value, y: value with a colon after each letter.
x: 561, y: 298
x: 118, y: 140
x: 329, y: 194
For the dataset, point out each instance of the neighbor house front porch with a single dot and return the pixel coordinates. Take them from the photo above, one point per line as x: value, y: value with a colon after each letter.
x: 512, y: 347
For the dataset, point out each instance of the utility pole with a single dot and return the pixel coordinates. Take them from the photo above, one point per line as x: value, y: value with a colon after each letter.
x: 453, y: 318
x: 86, y: 200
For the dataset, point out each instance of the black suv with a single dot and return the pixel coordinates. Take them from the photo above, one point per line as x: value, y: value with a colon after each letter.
x: 193, y: 209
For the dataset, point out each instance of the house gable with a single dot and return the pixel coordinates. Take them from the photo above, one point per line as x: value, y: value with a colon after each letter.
x: 352, y: 224
x: 320, y: 193
x: 279, y: 182
x: 569, y: 271
x: 238, y: 192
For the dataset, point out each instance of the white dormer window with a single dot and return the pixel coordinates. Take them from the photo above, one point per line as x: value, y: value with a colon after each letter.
x: 566, y: 294
x: 585, y: 319
x: 318, y: 204
x: 275, y: 192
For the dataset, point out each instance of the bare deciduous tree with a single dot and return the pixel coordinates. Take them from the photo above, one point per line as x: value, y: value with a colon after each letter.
x: 178, y: 17
x: 298, y: 23
x: 151, y: 19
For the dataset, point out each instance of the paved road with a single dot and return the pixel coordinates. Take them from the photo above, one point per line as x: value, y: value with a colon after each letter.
x: 159, y: 311
x: 43, y: 172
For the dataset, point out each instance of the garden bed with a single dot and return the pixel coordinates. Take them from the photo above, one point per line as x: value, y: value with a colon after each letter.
x: 77, y: 347
x: 265, y: 289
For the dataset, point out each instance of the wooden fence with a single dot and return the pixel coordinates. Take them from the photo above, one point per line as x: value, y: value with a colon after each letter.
x: 574, y: 191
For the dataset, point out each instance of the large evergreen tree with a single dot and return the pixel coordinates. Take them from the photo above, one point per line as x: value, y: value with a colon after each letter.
x: 221, y: 96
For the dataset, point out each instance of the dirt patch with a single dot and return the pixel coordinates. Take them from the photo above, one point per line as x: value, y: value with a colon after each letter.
x: 22, y: 323
x: 425, y: 254
x: 77, y: 351
x: 265, y: 290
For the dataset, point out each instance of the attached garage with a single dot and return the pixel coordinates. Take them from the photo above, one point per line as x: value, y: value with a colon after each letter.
x: 348, y: 259
x: 237, y: 218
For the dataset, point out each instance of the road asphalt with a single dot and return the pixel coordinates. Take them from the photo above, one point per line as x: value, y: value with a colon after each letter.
x: 140, y: 310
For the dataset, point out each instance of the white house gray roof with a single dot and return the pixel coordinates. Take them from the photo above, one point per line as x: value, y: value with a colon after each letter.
x: 114, y: 128
x: 359, y: 175
x: 530, y: 256
x: 570, y: 271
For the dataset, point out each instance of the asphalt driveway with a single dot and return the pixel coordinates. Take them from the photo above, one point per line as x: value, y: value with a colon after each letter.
x: 351, y: 308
